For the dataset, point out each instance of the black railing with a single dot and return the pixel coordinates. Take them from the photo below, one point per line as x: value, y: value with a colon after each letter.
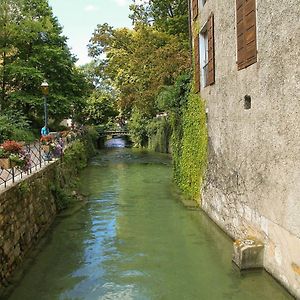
x: 40, y: 155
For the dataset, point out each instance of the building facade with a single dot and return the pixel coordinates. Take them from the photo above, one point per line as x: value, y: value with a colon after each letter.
x: 247, y: 69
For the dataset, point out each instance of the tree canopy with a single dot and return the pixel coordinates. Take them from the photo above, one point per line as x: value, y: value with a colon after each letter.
x: 139, y: 62
x: 32, y: 48
x: 169, y: 16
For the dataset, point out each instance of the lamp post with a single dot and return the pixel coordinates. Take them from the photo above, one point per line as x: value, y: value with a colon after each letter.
x: 45, y: 91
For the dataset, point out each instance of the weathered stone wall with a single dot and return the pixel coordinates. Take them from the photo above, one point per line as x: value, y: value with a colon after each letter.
x: 253, y: 180
x: 27, y: 209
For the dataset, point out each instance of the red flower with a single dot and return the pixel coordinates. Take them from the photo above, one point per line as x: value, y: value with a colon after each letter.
x: 46, y: 139
x: 11, y: 146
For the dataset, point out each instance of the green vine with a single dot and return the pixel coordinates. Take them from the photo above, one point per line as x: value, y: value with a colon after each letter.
x: 189, y: 142
x: 190, y: 147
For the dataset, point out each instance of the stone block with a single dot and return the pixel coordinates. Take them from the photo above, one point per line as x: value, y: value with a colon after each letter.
x: 248, y: 254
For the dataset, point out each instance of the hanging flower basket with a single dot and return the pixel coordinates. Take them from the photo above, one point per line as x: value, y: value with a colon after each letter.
x: 12, y: 155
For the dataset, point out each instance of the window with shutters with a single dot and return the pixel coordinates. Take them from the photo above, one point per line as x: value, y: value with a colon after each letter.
x: 207, y: 53
x: 246, y: 33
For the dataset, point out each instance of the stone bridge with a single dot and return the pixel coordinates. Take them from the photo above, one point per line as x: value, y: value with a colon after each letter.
x: 114, y: 133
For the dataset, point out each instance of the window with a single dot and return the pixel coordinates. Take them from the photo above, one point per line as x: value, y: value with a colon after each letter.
x: 246, y: 33
x: 207, y: 53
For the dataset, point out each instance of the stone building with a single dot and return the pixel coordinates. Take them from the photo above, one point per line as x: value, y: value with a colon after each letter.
x: 247, y: 69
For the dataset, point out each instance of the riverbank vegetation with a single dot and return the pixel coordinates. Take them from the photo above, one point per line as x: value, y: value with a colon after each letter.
x: 75, y: 159
x: 139, y: 79
x: 149, y: 68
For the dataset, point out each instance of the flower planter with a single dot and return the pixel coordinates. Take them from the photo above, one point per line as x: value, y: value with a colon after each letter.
x: 46, y: 148
x: 6, y: 163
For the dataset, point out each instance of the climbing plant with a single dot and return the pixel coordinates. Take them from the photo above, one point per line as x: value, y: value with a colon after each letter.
x: 190, y: 147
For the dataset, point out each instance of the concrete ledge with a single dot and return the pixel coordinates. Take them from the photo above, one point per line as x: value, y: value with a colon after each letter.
x: 248, y: 254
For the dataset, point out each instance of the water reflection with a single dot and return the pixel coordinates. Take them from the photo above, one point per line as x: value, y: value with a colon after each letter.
x: 115, y: 143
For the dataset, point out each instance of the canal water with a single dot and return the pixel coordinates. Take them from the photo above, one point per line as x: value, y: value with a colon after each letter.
x: 133, y: 239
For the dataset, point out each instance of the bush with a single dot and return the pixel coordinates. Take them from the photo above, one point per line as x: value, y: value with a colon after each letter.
x: 75, y: 155
x: 23, y: 135
x: 14, y: 126
x: 137, y: 128
x: 62, y: 198
x: 159, y: 133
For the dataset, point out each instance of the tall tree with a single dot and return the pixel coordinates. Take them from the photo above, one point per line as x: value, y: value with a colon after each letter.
x: 170, y: 16
x: 139, y: 62
x: 33, y: 48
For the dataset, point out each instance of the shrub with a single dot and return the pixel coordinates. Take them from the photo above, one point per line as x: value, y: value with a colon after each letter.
x: 14, y: 126
x: 76, y: 156
x: 22, y: 135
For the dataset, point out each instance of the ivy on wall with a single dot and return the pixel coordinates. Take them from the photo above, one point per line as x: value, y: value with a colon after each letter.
x: 185, y: 126
x: 190, y: 142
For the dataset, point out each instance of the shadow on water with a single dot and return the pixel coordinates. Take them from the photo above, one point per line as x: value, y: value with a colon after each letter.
x: 135, y: 240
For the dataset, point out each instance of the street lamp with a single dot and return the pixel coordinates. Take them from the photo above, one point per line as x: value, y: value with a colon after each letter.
x: 45, y: 91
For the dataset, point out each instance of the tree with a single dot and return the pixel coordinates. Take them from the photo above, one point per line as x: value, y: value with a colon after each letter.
x: 170, y: 16
x: 100, y: 108
x: 32, y: 49
x: 139, y: 62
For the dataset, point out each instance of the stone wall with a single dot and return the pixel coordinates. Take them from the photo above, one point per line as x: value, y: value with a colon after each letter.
x: 27, y: 209
x: 252, y: 183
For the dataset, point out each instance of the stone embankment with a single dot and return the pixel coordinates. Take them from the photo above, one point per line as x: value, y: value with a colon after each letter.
x: 28, y: 208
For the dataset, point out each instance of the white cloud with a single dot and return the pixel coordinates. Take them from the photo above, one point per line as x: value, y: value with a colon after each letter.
x: 90, y: 8
x: 123, y: 2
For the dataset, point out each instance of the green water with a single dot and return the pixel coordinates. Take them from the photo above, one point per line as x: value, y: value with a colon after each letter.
x: 133, y: 239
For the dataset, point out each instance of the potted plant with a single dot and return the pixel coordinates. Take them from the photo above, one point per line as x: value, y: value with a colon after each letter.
x: 4, y: 159
x: 12, y: 155
x: 9, y: 149
x: 46, y: 141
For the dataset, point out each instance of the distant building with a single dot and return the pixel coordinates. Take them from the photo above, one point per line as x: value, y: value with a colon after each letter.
x: 247, y: 68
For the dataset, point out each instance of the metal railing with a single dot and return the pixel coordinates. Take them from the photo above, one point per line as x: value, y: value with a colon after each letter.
x: 38, y: 159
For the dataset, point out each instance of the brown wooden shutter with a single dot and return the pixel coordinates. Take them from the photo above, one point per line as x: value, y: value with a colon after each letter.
x: 246, y: 33
x: 195, y: 9
x: 197, y: 63
x: 211, y: 51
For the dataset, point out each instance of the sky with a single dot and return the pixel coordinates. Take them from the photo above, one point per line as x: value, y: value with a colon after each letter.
x: 79, y: 18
